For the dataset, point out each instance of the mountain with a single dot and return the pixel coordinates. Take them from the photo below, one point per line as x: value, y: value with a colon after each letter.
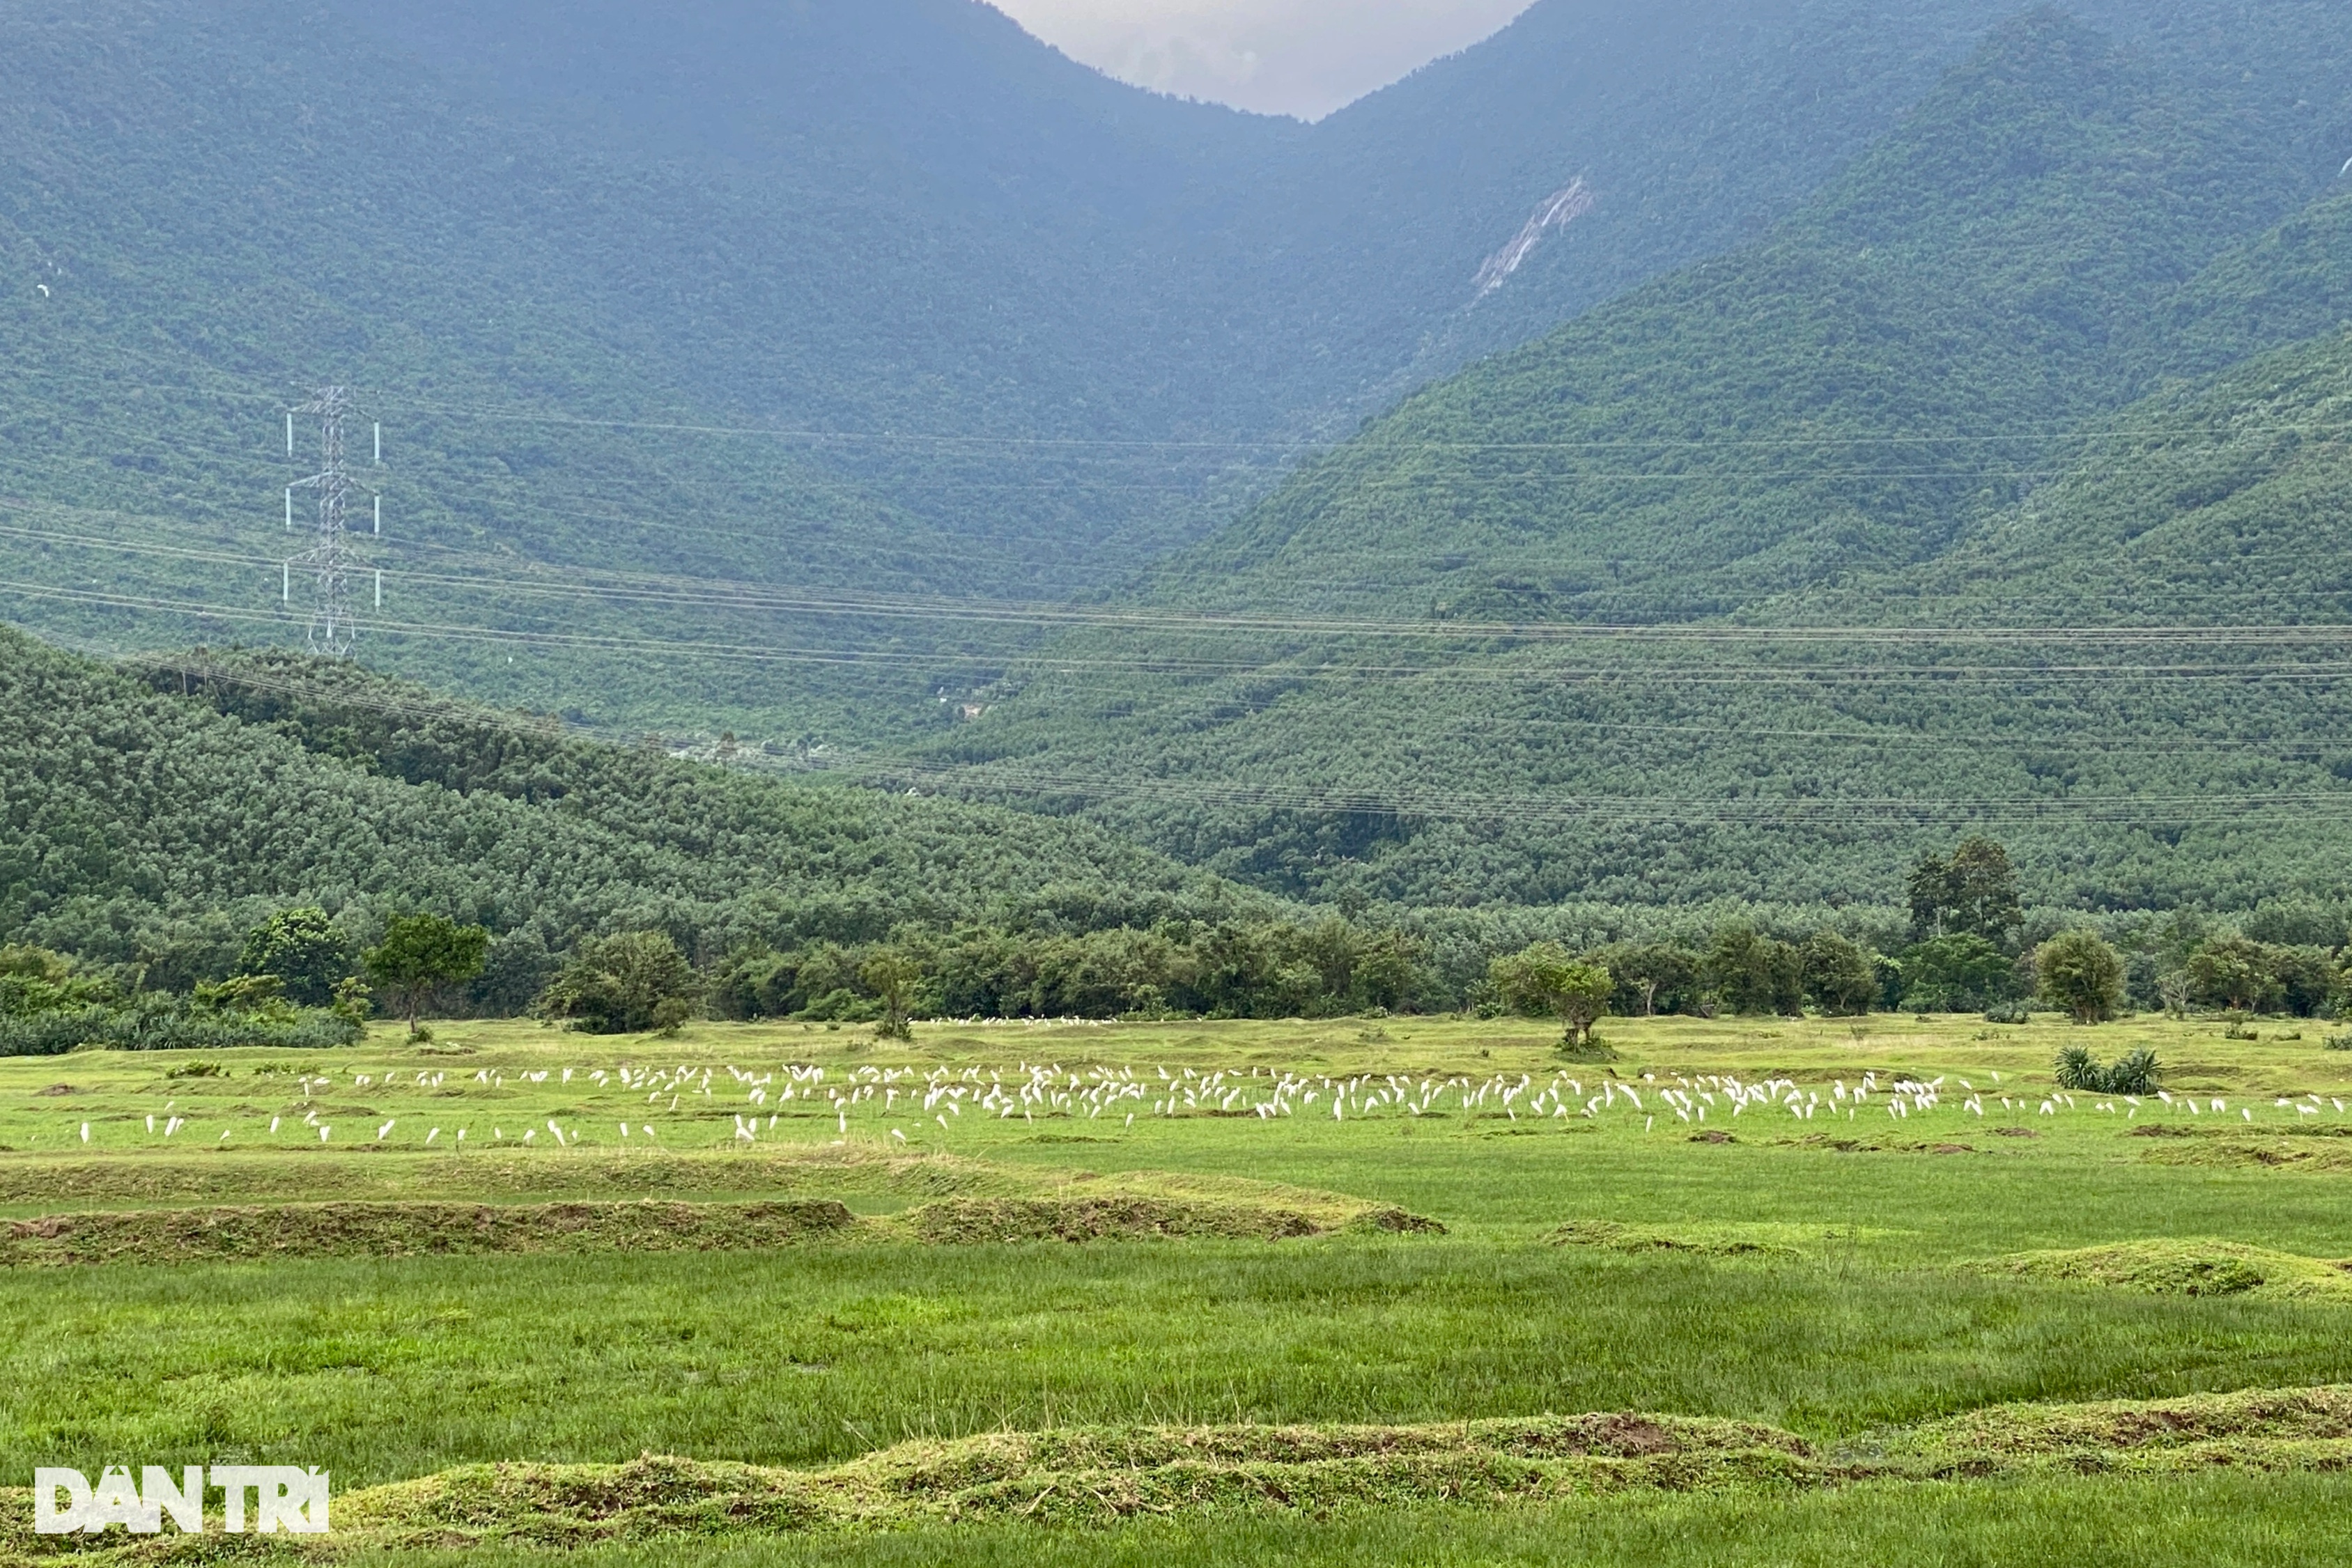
x: 736, y: 360
x: 1766, y: 577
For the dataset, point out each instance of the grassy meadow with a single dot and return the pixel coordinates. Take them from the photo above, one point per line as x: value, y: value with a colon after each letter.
x: 1885, y: 1249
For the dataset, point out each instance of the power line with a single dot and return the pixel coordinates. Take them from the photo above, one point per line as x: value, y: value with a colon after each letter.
x: 735, y: 593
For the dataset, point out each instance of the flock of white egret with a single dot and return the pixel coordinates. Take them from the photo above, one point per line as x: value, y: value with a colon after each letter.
x: 620, y: 1105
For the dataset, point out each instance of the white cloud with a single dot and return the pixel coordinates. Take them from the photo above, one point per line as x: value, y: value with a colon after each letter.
x: 1305, y: 57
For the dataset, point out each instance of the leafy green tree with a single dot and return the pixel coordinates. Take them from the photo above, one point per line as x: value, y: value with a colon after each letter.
x: 421, y: 953
x: 1749, y: 973
x: 893, y: 978
x: 1652, y: 977
x: 1546, y: 978
x: 1974, y: 894
x: 1840, y: 977
x: 626, y: 983
x: 301, y: 948
x: 1957, y: 974
x: 34, y: 980
x: 2076, y: 970
x: 2306, y: 974
x: 2232, y: 972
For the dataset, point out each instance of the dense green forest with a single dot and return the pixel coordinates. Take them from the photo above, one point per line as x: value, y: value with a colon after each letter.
x: 155, y: 821
x: 1640, y: 613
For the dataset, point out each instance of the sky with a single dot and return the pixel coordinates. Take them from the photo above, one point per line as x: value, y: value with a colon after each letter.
x: 1304, y: 58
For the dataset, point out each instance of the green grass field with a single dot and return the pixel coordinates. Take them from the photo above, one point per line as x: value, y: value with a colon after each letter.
x: 1074, y: 1310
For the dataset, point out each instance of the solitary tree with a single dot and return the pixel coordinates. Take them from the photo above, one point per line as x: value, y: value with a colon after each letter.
x: 1546, y: 977
x: 421, y: 953
x: 2079, y: 972
x: 892, y: 976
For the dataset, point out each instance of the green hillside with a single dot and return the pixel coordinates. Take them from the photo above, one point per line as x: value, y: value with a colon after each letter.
x: 1616, y: 617
x: 145, y: 825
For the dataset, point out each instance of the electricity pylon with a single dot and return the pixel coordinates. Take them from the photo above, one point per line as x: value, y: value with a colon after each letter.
x: 329, y: 563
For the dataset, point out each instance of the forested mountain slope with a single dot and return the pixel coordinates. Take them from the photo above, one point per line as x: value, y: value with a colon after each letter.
x: 1761, y: 580
x: 585, y: 260
x: 138, y: 823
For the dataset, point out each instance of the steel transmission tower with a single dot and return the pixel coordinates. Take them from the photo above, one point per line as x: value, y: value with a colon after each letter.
x: 330, y: 562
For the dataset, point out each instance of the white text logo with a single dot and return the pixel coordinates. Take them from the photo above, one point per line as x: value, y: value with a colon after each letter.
x: 285, y: 1497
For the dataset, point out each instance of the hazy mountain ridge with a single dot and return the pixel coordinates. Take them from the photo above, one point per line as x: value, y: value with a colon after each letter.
x: 1916, y: 402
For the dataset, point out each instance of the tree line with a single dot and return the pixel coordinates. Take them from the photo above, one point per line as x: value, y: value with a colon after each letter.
x: 301, y: 976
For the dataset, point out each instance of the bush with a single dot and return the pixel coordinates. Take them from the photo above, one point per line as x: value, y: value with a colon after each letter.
x: 624, y: 985
x: 2134, y: 1072
x: 171, y: 1027
x: 2008, y: 1012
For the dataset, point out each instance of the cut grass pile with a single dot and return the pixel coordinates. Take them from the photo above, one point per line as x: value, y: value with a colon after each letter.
x: 1099, y: 1477
x: 1730, y: 1238
x: 1087, y: 1209
x: 2189, y: 1266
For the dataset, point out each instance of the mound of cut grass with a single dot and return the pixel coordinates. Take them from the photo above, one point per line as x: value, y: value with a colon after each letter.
x: 1081, y: 1476
x: 2191, y: 1267
x: 1099, y: 1476
x: 1096, y: 1218
x: 775, y: 1170
x: 2274, y: 1428
x: 428, y: 1227
x: 1730, y: 1240
x: 411, y: 1229
x: 2276, y: 1151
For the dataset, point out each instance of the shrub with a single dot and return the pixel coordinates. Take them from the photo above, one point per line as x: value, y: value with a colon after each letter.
x: 2133, y: 1072
x: 157, y: 1025
x: 623, y: 985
